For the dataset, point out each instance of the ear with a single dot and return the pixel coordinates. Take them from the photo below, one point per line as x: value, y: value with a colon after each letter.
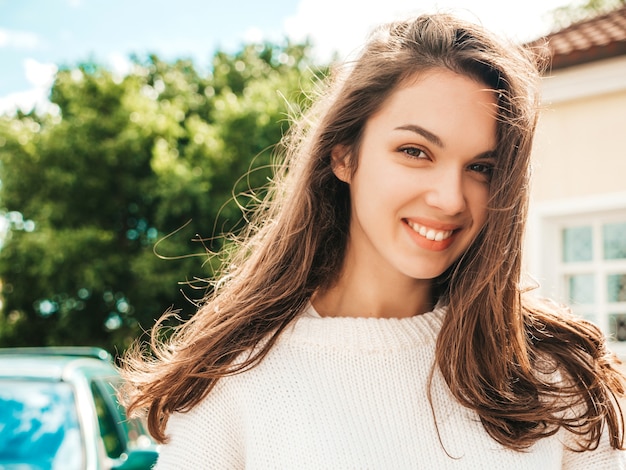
x: 338, y: 163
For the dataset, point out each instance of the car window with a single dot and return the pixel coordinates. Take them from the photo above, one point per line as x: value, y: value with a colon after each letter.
x: 134, y: 430
x: 39, y: 425
x: 108, y: 421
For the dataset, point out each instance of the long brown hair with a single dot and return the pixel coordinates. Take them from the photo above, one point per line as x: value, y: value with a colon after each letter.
x: 496, y: 347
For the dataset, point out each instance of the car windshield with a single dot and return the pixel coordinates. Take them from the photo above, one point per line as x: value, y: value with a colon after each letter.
x: 39, y: 426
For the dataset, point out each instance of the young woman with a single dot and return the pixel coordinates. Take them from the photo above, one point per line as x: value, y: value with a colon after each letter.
x: 373, y: 315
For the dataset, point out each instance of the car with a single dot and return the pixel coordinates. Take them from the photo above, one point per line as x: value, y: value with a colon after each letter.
x: 59, y: 410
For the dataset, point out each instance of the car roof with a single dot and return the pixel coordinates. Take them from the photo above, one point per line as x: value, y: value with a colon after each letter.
x: 50, y: 363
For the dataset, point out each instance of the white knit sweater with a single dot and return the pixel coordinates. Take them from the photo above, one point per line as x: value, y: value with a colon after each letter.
x: 351, y: 393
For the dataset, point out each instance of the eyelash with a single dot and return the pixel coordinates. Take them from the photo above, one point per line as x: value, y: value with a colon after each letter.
x: 408, y: 151
x: 482, y: 168
x: 485, y: 169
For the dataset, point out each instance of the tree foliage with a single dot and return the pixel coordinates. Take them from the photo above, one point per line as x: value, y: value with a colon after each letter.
x: 129, y: 163
x: 582, y: 10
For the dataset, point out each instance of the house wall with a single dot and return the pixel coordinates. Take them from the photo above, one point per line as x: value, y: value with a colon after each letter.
x: 579, y: 185
x: 580, y: 145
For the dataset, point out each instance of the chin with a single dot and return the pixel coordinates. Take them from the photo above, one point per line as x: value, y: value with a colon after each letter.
x: 423, y: 275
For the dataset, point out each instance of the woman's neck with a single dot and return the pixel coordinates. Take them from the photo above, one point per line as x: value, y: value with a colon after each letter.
x: 363, y: 294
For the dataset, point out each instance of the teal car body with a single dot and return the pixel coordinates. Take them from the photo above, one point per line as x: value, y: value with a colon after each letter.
x: 59, y: 410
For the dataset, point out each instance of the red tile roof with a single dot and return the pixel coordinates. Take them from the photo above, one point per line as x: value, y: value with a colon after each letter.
x: 598, y: 38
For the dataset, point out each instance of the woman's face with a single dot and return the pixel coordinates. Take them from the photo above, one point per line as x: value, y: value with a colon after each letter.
x: 420, y: 191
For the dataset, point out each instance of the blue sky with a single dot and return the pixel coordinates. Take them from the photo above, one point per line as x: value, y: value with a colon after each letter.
x: 36, y: 36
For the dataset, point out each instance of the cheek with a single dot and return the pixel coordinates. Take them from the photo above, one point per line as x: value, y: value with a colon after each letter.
x: 373, y: 182
x: 478, y: 201
x: 377, y: 198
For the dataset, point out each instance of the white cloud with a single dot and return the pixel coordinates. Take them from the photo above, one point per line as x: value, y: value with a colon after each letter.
x: 23, y: 100
x: 18, y: 39
x: 343, y: 26
x: 40, y: 76
x: 254, y: 35
x: 120, y: 65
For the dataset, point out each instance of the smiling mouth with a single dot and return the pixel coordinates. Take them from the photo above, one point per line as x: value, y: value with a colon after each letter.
x: 429, y: 233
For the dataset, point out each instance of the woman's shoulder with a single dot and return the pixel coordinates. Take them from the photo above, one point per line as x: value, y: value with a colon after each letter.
x: 210, y: 431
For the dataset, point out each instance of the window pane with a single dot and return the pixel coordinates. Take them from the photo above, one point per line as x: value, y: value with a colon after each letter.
x: 108, y: 424
x: 39, y: 426
x: 617, y: 326
x: 581, y: 288
x: 616, y: 284
x: 577, y: 244
x: 614, y: 237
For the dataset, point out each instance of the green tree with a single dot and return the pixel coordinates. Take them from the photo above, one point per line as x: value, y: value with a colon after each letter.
x: 150, y: 158
x: 564, y: 16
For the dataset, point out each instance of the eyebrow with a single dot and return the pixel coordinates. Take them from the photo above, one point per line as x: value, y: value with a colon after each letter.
x: 423, y: 132
x: 436, y: 140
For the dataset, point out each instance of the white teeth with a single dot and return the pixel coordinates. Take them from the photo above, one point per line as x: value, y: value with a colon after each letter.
x: 429, y: 233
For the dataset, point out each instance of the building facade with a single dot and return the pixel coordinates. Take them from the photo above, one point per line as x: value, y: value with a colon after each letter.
x: 576, y: 238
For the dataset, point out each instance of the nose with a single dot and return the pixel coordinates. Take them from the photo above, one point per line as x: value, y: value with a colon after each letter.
x: 446, y: 191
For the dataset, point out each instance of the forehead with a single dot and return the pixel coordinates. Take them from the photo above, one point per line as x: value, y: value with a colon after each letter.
x: 448, y: 104
x: 438, y: 82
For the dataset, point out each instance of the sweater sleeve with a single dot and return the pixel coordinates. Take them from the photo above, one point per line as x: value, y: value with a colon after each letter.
x: 208, y: 436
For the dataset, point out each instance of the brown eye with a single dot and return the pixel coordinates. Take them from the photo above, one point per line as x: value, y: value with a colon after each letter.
x: 483, y: 169
x: 413, y: 152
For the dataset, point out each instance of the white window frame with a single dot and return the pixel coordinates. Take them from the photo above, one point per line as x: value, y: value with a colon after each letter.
x: 544, y: 250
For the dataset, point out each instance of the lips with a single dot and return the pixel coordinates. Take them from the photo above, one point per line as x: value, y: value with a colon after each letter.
x: 432, y: 236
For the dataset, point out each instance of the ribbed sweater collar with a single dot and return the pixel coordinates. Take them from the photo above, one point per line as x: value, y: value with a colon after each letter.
x: 365, y: 334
